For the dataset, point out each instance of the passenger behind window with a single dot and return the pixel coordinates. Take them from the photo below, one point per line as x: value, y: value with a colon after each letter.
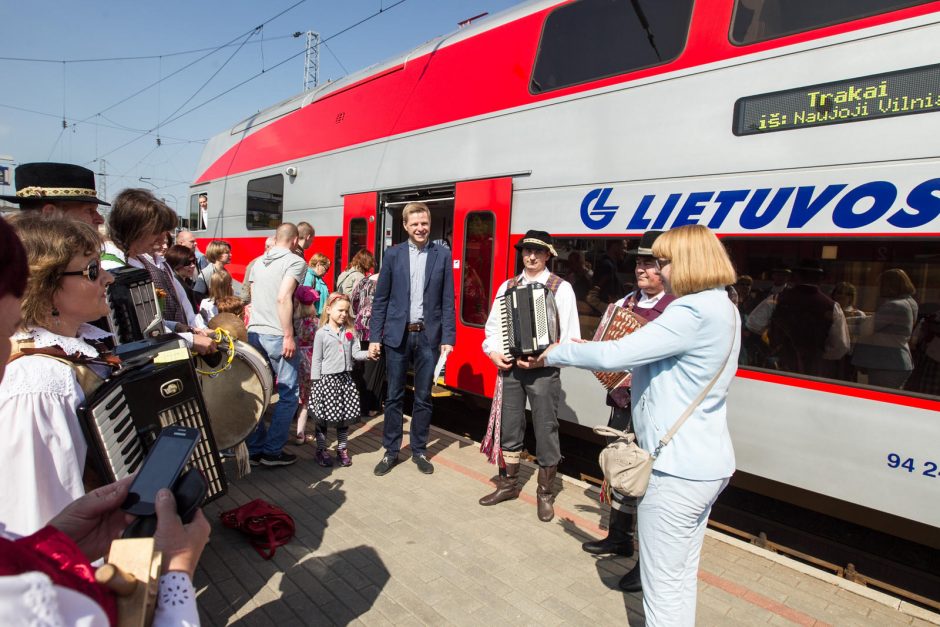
x: 926, y: 376
x: 845, y: 294
x: 807, y: 330
x: 882, y: 352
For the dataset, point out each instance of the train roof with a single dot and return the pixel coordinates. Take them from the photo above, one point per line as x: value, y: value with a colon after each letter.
x: 221, y: 141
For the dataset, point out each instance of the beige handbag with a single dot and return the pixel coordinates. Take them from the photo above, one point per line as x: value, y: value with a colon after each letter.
x: 626, y: 466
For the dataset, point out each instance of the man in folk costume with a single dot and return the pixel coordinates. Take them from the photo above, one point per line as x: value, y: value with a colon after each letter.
x: 58, y: 189
x: 517, y: 381
x: 647, y: 301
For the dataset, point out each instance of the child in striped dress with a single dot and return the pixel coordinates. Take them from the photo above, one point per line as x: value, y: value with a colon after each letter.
x: 335, y: 399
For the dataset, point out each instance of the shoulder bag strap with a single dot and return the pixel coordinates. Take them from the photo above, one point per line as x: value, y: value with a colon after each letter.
x: 701, y: 397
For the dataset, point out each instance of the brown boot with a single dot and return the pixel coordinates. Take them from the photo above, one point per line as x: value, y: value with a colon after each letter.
x: 544, y: 495
x: 507, y: 486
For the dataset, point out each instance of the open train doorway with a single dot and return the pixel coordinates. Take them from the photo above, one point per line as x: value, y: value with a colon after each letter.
x: 439, y: 199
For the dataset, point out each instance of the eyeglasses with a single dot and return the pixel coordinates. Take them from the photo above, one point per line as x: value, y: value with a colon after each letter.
x: 662, y: 262
x: 91, y: 272
x: 191, y: 262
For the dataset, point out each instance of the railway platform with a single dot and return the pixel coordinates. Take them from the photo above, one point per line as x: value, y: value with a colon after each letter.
x: 414, y: 549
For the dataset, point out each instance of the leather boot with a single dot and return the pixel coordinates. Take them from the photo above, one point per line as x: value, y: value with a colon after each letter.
x: 544, y: 496
x: 507, y: 486
x: 619, y: 540
x: 631, y: 581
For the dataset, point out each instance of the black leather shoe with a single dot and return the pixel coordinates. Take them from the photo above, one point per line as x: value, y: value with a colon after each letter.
x: 384, y: 466
x: 423, y: 464
x: 631, y: 581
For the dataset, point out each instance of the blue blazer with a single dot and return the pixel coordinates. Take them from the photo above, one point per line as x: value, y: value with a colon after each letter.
x: 392, y: 300
x: 673, y: 358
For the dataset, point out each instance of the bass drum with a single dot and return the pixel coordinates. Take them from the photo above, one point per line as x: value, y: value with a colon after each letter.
x: 237, y: 397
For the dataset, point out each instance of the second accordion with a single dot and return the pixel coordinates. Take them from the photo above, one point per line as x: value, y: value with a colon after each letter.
x: 528, y: 319
x: 617, y: 322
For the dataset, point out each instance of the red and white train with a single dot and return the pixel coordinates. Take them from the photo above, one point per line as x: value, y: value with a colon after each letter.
x: 798, y: 129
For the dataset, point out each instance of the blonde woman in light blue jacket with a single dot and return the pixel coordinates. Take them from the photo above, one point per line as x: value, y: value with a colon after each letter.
x: 673, y: 359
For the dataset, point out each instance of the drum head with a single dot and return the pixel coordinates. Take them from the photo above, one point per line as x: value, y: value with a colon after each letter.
x: 237, y: 398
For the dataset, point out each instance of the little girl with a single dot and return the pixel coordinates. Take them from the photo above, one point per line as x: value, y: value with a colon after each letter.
x: 305, y: 328
x: 335, y: 399
x: 220, y: 286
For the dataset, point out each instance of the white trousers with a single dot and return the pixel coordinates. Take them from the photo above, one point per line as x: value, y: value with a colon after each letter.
x: 671, y: 521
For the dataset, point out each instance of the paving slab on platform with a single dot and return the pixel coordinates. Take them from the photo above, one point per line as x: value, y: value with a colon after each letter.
x: 414, y: 549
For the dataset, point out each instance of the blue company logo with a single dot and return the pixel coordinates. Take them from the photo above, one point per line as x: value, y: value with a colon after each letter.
x: 836, y: 205
x: 594, y: 210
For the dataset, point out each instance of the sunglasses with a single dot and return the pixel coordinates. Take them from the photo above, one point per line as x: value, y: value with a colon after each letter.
x: 91, y: 272
x: 662, y: 262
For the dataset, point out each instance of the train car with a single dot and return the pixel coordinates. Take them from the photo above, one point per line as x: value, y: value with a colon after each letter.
x: 801, y: 131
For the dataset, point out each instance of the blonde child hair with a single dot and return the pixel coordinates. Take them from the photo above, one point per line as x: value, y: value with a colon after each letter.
x: 220, y: 285
x: 334, y: 298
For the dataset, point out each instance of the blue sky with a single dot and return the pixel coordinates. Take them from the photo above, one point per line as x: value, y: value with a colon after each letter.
x: 35, y: 96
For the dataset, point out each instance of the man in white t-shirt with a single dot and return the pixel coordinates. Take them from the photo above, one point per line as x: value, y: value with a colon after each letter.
x: 273, y: 281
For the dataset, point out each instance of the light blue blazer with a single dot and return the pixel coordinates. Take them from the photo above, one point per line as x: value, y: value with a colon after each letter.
x: 673, y: 358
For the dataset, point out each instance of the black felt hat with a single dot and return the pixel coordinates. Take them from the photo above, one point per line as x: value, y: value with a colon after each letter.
x: 53, y: 182
x: 538, y: 240
x: 645, y: 248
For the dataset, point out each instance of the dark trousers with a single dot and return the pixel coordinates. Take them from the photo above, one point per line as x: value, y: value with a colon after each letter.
x: 542, y: 387
x: 415, y: 349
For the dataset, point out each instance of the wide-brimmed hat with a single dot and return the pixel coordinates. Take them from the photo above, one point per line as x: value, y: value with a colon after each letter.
x: 54, y: 182
x: 645, y: 248
x: 537, y: 240
x: 810, y: 266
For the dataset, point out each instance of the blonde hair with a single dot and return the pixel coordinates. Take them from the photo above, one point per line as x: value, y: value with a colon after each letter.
x: 319, y: 258
x: 216, y: 249
x: 220, y: 284
x: 699, y: 260
x: 331, y: 300
x: 414, y: 207
x: 51, y: 243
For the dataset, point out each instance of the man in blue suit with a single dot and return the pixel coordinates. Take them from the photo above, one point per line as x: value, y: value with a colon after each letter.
x: 413, y: 317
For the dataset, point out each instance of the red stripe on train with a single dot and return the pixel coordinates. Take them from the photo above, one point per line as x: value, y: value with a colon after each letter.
x: 483, y: 74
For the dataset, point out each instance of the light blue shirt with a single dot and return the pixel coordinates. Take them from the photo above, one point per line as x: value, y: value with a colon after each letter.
x: 672, y: 359
x: 417, y: 262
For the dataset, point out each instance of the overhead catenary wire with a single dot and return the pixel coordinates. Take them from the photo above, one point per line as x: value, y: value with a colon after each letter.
x: 258, y: 74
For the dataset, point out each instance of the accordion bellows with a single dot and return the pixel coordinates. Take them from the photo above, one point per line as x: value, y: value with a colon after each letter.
x: 617, y: 322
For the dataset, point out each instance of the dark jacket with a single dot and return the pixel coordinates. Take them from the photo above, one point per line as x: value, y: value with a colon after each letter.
x: 393, y: 297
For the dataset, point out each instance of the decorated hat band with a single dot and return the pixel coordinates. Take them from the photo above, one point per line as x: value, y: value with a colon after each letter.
x: 53, y: 192
x: 538, y: 242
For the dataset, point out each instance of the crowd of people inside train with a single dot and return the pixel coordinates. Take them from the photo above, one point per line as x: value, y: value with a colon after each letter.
x: 873, y: 326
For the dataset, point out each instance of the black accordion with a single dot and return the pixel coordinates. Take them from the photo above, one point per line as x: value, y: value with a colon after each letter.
x: 528, y: 319
x: 134, y: 308
x: 155, y: 388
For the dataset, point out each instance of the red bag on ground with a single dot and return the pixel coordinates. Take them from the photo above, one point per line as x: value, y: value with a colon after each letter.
x: 267, y: 526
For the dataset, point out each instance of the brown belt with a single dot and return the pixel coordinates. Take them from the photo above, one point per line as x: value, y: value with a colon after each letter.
x: 416, y: 327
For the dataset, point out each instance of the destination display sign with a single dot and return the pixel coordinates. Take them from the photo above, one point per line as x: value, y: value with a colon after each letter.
x: 905, y: 92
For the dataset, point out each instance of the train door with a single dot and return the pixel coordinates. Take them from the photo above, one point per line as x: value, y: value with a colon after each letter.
x: 481, y: 263
x: 359, y: 228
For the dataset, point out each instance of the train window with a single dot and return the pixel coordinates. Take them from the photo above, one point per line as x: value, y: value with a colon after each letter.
x: 859, y: 311
x: 588, y: 40
x: 479, y: 231
x: 265, y: 203
x: 600, y: 270
x: 198, y: 212
x: 357, y: 236
x: 760, y: 20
